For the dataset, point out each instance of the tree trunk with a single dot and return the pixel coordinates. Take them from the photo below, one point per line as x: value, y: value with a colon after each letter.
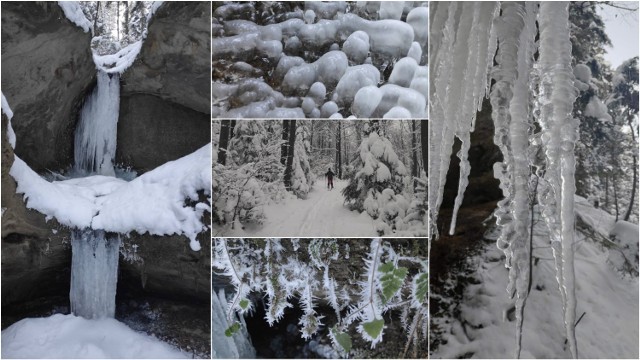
x: 414, y: 149
x: 289, y: 169
x: 339, y: 150
x: 633, y: 188
x: 284, y: 147
x: 118, y: 19
x: 424, y: 135
x: 224, y: 141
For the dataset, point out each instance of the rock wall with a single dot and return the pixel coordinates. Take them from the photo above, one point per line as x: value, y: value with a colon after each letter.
x: 152, y: 131
x: 165, y: 95
x: 47, y: 69
x: 35, y: 261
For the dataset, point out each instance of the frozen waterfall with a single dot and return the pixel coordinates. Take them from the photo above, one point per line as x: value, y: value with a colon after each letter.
x: 95, y: 138
x: 94, y: 273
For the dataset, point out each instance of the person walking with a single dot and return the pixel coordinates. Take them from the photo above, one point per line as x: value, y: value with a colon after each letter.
x: 329, y: 176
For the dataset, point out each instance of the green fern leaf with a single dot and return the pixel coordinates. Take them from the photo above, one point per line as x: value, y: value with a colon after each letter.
x: 420, y: 286
x: 342, y: 338
x: 244, y: 303
x: 232, y: 329
x: 391, y: 280
x: 373, y: 328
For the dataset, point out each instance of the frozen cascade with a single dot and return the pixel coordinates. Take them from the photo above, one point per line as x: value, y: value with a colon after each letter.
x: 94, y: 273
x: 95, y: 138
x: 470, y: 35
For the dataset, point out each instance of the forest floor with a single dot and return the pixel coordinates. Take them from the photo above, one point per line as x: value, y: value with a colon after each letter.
x: 477, y: 320
x: 321, y: 214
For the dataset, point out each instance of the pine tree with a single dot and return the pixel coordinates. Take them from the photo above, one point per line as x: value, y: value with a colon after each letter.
x: 378, y: 184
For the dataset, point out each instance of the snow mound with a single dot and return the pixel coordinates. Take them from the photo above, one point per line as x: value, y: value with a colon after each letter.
x: 71, y: 337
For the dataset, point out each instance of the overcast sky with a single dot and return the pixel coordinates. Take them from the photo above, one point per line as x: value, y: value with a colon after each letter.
x: 622, y: 28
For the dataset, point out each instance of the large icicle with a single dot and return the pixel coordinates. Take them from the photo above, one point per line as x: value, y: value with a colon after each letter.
x: 559, y: 134
x: 95, y: 139
x: 475, y: 68
x: 519, y: 129
x: 463, y: 36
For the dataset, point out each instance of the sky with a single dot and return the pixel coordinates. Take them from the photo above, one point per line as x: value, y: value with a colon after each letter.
x: 622, y: 28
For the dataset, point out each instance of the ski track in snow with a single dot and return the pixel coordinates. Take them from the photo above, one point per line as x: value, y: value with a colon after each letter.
x: 321, y: 214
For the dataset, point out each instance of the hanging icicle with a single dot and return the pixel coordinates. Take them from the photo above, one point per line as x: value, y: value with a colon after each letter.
x: 559, y: 135
x: 466, y: 40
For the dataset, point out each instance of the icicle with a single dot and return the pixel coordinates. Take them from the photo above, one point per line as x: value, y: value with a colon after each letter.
x: 560, y: 132
x: 94, y: 273
x: 464, y: 38
x: 509, y: 26
x: 519, y: 129
x: 440, y: 134
x: 95, y: 138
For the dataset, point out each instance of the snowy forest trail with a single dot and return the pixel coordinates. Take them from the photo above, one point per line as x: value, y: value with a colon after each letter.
x: 321, y: 214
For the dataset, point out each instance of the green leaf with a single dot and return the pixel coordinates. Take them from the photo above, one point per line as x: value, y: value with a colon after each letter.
x: 232, y: 329
x: 343, y: 339
x: 373, y: 328
x: 420, y: 286
x: 244, y: 303
x: 391, y: 280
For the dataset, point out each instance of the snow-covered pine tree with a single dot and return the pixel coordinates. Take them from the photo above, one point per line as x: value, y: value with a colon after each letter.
x: 377, y: 186
x: 242, y: 186
x: 302, y: 178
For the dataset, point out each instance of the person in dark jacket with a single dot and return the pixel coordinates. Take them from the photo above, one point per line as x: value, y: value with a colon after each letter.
x: 329, y: 176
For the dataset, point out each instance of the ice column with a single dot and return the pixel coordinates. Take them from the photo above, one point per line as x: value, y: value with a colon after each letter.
x: 94, y: 273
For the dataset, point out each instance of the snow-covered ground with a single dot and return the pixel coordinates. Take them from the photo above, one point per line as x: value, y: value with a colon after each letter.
x: 607, y: 297
x: 322, y: 213
x: 71, y: 337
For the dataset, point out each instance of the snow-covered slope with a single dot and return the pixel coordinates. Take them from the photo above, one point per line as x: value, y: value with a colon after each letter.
x: 607, y: 297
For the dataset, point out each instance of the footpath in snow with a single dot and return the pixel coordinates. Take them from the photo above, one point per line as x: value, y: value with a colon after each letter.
x: 321, y: 214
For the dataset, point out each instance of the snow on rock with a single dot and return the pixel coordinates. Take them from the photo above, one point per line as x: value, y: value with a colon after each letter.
x: 391, y: 9
x: 74, y: 13
x: 357, y: 46
x: 366, y: 101
x: 375, y: 102
x: 403, y: 71
x: 11, y: 135
x: 355, y: 78
x: 320, y: 49
x: 397, y: 112
x: 120, y: 61
x: 328, y: 109
x: 153, y: 202
x: 72, y: 337
x: 415, y: 52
